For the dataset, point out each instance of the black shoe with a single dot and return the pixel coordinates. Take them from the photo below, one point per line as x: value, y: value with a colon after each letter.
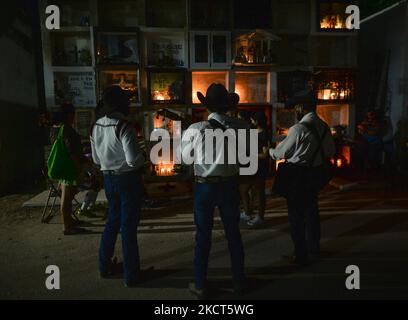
x: 78, y: 223
x: 144, y: 275
x: 113, y: 269
x: 201, y: 294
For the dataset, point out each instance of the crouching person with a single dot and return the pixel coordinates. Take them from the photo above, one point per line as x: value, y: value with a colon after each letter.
x: 115, y: 149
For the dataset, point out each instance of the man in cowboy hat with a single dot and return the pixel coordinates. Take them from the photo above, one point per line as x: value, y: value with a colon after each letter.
x: 216, y: 185
x: 306, y: 148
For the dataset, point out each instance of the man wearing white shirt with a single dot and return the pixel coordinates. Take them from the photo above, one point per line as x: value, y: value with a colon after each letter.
x: 216, y: 185
x: 308, y: 144
x: 116, y: 150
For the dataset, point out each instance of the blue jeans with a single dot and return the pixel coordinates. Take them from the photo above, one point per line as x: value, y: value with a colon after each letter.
x: 304, y: 219
x: 124, y: 194
x: 225, y: 196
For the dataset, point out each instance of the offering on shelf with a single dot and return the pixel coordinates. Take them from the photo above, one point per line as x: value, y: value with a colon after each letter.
x: 166, y: 87
x: 126, y: 79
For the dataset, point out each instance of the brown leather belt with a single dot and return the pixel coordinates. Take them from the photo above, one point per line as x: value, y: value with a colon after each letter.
x: 214, y: 179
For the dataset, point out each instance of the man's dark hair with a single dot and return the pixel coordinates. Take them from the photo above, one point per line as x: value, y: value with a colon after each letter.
x: 115, y: 99
x: 306, y: 98
x: 65, y: 110
x: 309, y: 107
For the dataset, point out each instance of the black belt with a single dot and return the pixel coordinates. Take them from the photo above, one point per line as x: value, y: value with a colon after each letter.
x: 214, y: 179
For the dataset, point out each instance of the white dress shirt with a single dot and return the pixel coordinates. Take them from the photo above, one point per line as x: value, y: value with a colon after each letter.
x: 300, y: 144
x: 201, y: 169
x: 115, y: 153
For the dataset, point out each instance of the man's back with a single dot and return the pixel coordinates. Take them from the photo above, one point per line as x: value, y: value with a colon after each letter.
x: 217, y: 168
x: 114, y: 145
x: 300, y: 145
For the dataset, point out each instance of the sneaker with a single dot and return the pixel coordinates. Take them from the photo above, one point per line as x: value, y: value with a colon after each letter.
x: 244, y: 217
x: 201, y: 294
x: 256, y: 222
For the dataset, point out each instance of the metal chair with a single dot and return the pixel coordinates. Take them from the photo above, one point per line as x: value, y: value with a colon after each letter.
x: 53, y: 194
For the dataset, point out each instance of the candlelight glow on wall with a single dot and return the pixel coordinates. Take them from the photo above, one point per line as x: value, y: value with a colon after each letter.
x: 332, y: 15
x: 332, y: 22
x: 164, y: 169
x: 333, y: 91
x: 335, y: 84
x: 203, y: 79
x: 252, y: 87
x: 166, y: 87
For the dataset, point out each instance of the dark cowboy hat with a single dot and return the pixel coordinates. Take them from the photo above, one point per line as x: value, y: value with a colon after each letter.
x: 217, y: 98
x: 305, y: 97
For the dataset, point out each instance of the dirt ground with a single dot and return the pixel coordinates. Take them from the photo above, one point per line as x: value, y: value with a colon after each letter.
x: 365, y: 227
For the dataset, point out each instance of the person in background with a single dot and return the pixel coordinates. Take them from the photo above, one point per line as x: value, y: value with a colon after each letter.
x: 233, y: 105
x: 72, y: 140
x: 258, y: 187
x: 116, y: 151
x: 246, y: 182
x: 372, y: 130
x: 387, y: 143
x: 92, y: 183
x: 245, y: 115
x: 216, y: 185
x: 307, y: 145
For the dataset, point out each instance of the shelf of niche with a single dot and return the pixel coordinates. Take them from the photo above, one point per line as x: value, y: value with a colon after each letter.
x: 73, y: 69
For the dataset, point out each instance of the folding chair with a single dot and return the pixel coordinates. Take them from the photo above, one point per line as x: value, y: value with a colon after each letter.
x: 53, y: 194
